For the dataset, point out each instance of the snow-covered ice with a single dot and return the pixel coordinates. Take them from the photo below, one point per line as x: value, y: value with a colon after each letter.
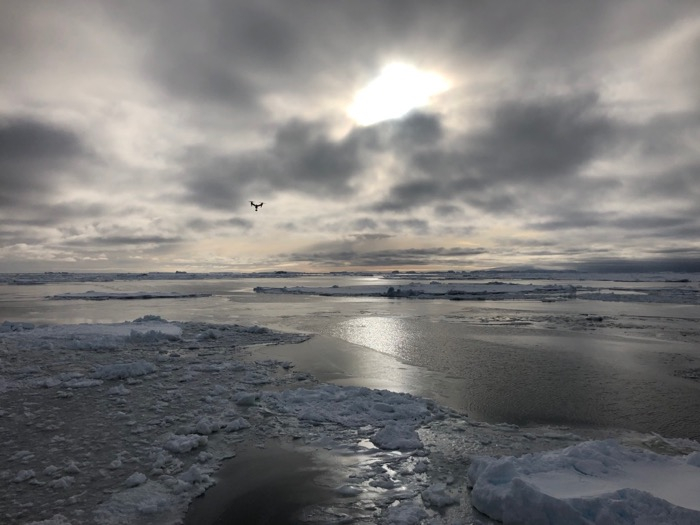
x: 589, y: 483
x: 126, y: 423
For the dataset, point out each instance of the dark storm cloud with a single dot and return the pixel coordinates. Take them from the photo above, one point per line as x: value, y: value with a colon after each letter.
x: 234, y: 54
x: 30, y: 153
x: 302, y: 158
x: 309, y: 159
x: 541, y: 140
x: 26, y: 139
x: 525, y: 143
x: 681, y: 181
x: 222, y: 56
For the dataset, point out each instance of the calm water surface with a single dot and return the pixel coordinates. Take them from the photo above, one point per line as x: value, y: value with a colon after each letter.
x: 576, y: 363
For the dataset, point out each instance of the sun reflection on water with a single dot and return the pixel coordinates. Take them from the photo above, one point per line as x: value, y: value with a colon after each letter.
x: 388, y: 335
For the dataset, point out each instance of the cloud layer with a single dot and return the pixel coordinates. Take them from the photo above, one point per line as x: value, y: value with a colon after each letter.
x: 134, y: 134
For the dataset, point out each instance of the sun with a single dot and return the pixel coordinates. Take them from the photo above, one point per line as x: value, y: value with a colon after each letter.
x: 398, y: 89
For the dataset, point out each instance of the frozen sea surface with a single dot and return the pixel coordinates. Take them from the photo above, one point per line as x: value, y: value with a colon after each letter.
x: 127, y: 423
x: 128, y: 419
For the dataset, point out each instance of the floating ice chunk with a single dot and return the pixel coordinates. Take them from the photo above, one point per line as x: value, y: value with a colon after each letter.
x: 588, y: 483
x: 207, y: 425
x: 203, y: 457
x: 194, y: 475
x: 237, y: 424
x: 436, y: 495
x: 23, y: 475
x: 61, y: 483
x: 136, y: 479
x: 184, y: 443
x: 405, y: 514
x: 119, y: 390
x: 395, y: 436
x: 246, y: 399
x: 51, y: 470
x: 71, y: 468
x: 22, y: 455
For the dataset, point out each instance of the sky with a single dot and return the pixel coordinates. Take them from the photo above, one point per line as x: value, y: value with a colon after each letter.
x: 380, y: 135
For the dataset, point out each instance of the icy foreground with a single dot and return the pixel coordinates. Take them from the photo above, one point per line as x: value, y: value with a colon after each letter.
x: 127, y: 423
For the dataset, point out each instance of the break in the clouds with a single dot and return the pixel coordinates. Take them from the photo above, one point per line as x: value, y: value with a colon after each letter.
x: 134, y: 134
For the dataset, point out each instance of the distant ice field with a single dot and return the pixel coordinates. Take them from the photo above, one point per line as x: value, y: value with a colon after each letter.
x: 579, y: 362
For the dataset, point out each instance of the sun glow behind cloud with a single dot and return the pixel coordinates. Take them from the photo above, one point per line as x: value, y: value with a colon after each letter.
x: 398, y: 89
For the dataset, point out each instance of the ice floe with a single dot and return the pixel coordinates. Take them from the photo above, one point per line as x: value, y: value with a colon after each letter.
x: 127, y: 423
x: 92, y: 295
x: 465, y: 291
x: 586, y: 484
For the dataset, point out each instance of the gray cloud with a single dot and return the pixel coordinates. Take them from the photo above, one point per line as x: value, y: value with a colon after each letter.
x: 364, y: 223
x: 201, y: 225
x: 673, y: 263
x: 301, y: 158
x: 121, y: 240
x: 574, y: 122
x: 411, y: 257
x: 30, y: 153
x: 543, y: 142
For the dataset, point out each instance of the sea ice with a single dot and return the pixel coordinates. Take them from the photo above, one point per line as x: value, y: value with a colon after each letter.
x: 586, y: 484
x: 86, y: 454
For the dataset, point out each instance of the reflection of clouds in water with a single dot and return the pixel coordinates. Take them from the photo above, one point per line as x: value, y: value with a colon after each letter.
x: 388, y: 335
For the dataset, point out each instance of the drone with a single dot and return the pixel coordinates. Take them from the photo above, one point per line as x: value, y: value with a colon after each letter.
x: 256, y: 206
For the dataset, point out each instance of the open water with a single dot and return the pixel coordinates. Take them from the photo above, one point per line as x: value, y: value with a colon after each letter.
x: 575, y: 363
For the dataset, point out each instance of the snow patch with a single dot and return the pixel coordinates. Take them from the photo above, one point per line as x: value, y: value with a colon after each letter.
x: 586, y: 484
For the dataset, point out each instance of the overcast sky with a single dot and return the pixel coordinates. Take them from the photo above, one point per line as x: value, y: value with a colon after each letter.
x: 134, y: 133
